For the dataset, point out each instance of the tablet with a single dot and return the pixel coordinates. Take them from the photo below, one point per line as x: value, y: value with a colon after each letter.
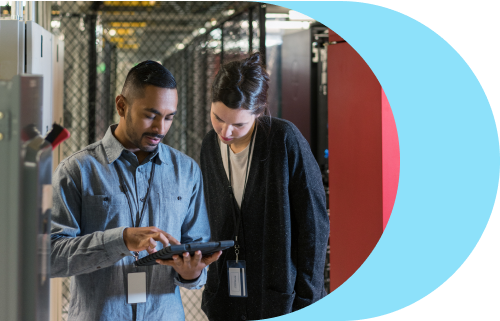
x: 166, y: 253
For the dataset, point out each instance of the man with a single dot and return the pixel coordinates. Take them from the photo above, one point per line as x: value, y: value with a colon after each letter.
x: 118, y: 197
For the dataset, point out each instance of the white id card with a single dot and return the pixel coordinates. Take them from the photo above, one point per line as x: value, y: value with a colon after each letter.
x: 237, y: 278
x: 136, y: 287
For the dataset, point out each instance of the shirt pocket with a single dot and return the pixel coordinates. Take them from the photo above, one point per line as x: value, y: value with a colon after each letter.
x: 102, y: 212
x: 173, y: 211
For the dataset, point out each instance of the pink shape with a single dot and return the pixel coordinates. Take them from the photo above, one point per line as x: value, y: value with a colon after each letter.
x: 390, y: 159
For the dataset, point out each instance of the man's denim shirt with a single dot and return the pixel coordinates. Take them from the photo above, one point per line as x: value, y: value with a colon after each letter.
x: 90, y: 213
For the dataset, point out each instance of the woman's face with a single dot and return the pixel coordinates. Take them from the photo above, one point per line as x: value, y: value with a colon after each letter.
x: 232, y: 125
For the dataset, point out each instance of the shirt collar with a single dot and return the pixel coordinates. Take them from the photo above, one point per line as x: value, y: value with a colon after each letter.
x: 114, y: 148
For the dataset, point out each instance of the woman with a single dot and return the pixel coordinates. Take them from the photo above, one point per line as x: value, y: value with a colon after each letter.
x: 268, y: 196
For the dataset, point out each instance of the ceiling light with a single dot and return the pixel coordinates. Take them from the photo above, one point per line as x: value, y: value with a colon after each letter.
x: 216, y: 34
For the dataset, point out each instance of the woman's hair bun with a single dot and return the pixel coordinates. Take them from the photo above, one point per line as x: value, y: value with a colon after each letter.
x: 254, y: 59
x: 242, y: 84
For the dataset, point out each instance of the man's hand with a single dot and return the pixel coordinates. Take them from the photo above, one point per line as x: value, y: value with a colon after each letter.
x: 190, y: 267
x: 144, y: 238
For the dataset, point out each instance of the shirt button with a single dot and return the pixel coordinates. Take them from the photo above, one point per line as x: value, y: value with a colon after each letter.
x: 106, y: 199
x: 243, y: 317
x: 142, y: 199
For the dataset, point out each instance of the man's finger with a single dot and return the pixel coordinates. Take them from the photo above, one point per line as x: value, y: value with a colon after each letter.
x: 146, y: 243
x: 172, y: 239
x: 196, y: 258
x: 152, y: 243
x: 151, y: 250
x: 177, y: 260
x: 186, y: 258
x: 159, y: 236
x: 165, y: 262
x: 212, y: 258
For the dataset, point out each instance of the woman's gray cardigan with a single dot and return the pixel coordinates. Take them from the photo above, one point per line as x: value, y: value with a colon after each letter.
x: 284, y: 231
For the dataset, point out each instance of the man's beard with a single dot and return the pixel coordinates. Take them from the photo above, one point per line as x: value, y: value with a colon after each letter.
x: 135, y: 139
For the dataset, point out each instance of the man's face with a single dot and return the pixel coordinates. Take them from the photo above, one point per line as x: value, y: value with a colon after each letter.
x: 148, y: 118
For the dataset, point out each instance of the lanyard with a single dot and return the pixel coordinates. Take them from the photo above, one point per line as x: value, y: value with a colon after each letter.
x: 123, y: 187
x: 236, y: 209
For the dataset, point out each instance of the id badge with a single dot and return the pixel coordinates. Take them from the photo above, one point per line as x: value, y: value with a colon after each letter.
x: 237, y: 277
x: 136, y: 287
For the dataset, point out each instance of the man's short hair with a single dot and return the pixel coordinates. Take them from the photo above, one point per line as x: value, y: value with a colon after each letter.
x: 147, y: 73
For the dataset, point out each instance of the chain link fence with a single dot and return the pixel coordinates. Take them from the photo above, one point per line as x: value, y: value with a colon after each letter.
x: 103, y: 40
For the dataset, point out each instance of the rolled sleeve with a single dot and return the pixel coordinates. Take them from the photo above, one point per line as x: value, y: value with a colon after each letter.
x: 114, y: 244
x: 195, y: 285
x: 88, y: 253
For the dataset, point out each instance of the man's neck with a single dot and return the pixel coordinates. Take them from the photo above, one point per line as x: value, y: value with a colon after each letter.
x: 122, y: 138
x: 141, y: 155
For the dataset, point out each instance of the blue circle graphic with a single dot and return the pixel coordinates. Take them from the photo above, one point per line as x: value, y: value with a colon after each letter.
x: 449, y: 160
